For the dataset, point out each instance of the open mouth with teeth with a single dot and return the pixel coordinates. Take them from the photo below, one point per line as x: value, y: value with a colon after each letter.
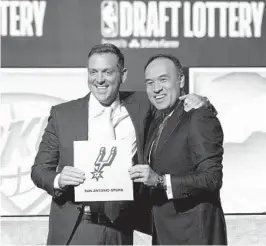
x: 101, y: 87
x: 160, y: 97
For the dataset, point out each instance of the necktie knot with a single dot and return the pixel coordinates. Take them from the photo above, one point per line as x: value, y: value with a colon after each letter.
x: 108, y: 112
x: 108, y: 128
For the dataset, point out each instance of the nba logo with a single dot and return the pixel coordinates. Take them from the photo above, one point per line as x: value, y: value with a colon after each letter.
x: 109, y: 22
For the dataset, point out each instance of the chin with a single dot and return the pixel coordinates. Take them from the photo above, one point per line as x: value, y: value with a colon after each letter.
x: 159, y: 107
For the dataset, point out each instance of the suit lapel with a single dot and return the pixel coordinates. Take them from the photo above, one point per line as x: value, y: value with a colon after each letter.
x: 133, y: 109
x: 153, y: 128
x: 80, y: 124
x: 172, y: 123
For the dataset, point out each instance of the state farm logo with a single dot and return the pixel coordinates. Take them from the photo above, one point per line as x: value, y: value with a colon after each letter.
x: 23, y: 120
x: 109, y: 22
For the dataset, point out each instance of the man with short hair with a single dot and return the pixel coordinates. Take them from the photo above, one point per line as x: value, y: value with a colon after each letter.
x: 82, y: 119
x: 184, y: 152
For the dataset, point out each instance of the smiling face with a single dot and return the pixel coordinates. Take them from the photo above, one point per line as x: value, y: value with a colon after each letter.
x: 105, y: 77
x: 163, y: 83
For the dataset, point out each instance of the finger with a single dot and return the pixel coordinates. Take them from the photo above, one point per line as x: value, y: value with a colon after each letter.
x: 136, y: 168
x: 144, y: 166
x: 133, y: 171
x: 73, y: 169
x: 72, y: 183
x: 187, y: 108
x: 191, y: 103
x: 66, y: 178
x: 189, y: 100
x: 196, y: 98
x: 141, y: 167
x: 63, y: 183
x: 82, y: 181
x: 183, y: 97
x: 136, y: 175
x: 139, y: 180
x: 199, y: 105
x: 140, y: 171
x: 74, y: 175
x: 191, y: 95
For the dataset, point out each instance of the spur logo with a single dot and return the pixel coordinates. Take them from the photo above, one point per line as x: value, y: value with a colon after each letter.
x: 102, y: 161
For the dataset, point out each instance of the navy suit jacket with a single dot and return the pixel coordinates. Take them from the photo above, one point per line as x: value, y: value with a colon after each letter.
x: 190, y: 149
x: 68, y: 122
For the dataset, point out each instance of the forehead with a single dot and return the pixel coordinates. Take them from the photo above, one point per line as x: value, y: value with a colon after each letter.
x: 159, y: 67
x: 103, y: 60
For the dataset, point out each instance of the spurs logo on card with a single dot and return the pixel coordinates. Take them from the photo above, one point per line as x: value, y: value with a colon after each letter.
x: 109, y: 13
x: 102, y: 162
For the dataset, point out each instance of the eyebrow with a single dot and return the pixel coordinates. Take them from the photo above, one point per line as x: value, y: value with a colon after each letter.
x: 164, y: 75
x: 161, y: 76
x: 105, y: 69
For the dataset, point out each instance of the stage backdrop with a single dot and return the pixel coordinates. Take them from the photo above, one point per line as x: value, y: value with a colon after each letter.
x: 239, y: 95
x: 201, y: 33
x: 44, y: 55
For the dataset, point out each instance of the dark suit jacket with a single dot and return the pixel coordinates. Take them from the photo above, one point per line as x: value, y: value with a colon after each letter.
x: 68, y: 122
x: 190, y: 149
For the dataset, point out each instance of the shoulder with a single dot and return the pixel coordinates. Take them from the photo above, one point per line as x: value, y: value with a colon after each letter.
x: 201, y: 112
x: 70, y: 105
x: 139, y: 96
x: 203, y: 117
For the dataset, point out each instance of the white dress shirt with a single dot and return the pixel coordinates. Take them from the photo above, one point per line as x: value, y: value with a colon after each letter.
x: 123, y: 126
x: 122, y: 123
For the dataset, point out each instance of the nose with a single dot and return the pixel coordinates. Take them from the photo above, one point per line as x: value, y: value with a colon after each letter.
x: 100, y: 78
x: 157, y: 87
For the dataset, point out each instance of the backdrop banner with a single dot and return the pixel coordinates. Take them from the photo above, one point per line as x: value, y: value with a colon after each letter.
x: 44, y: 49
x: 201, y: 33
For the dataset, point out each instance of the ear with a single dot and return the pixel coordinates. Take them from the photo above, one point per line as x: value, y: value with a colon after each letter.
x: 124, y: 75
x: 182, y: 81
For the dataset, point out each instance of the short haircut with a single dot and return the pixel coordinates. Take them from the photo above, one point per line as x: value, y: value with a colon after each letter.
x: 108, y: 48
x: 167, y: 56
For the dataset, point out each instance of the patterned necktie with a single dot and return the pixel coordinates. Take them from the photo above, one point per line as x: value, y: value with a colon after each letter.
x: 156, y: 139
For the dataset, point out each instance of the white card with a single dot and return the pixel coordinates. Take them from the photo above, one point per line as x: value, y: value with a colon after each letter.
x: 106, y: 168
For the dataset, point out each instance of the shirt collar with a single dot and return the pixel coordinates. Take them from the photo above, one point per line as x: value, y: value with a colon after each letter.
x: 95, y: 108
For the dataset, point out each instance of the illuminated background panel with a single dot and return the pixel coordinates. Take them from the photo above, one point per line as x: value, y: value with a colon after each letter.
x: 239, y: 95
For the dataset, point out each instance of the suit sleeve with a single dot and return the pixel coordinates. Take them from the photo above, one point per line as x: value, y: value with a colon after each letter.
x: 43, y: 171
x: 205, y: 141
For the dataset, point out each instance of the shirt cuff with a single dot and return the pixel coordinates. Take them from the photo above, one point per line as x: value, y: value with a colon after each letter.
x: 56, y: 182
x: 169, y: 191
